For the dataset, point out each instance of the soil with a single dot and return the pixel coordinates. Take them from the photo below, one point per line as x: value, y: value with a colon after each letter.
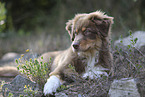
x: 124, y: 66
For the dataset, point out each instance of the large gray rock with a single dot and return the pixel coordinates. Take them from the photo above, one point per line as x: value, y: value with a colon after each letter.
x: 125, y: 87
x: 16, y: 87
x: 140, y: 35
x: 10, y: 56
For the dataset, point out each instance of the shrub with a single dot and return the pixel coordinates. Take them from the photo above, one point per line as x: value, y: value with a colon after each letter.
x: 34, y: 70
x: 128, y: 61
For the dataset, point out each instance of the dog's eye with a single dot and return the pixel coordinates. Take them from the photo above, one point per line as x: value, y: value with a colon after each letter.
x: 90, y: 35
x: 87, y: 33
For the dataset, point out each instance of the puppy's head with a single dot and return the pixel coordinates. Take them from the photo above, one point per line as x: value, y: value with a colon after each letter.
x: 87, y: 30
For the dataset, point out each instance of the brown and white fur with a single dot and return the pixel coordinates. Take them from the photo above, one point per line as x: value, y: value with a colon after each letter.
x: 90, y: 34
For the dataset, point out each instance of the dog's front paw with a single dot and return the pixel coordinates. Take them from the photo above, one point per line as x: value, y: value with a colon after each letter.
x: 51, y: 85
x: 95, y: 72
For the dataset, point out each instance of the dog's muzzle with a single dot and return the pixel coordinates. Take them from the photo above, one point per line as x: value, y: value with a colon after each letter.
x: 76, y: 46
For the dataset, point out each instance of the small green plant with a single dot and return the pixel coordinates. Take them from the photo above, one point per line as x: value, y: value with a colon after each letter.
x: 71, y: 67
x: 29, y: 91
x: 10, y: 94
x: 62, y: 87
x: 1, y: 84
x: 34, y: 70
x: 132, y: 49
x: 133, y: 42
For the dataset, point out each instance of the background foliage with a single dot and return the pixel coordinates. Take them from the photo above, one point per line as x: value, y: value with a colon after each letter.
x: 32, y: 22
x: 44, y: 14
x: 2, y: 16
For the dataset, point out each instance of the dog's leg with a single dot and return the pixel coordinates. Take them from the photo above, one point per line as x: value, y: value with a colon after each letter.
x: 53, y: 82
x: 60, y: 75
x: 105, y: 57
x: 57, y: 78
x: 70, y: 75
x: 56, y: 75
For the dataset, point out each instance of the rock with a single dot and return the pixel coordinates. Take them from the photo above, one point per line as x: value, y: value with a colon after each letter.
x: 140, y: 35
x: 60, y: 95
x: 141, y: 85
x: 17, y: 87
x: 125, y: 87
x: 10, y: 56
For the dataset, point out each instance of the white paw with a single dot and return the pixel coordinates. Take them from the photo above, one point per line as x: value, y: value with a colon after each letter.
x: 51, y: 85
x: 95, y: 72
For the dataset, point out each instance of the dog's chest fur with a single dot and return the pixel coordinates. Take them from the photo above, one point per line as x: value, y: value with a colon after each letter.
x: 89, y: 69
x: 85, y: 64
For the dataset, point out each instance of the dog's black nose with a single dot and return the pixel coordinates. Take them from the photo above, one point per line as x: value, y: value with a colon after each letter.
x: 76, y: 45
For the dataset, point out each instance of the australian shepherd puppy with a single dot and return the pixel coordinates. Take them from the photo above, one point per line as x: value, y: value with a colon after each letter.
x: 90, y: 34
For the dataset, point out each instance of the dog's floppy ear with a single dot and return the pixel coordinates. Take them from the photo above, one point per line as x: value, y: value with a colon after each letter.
x: 69, y: 29
x: 102, y: 24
